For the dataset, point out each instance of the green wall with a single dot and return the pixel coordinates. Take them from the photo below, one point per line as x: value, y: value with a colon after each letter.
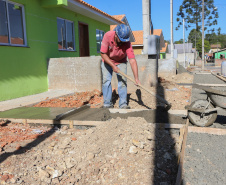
x: 217, y: 55
x: 23, y: 70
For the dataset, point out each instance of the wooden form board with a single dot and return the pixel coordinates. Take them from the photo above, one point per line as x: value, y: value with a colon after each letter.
x: 182, y: 154
x: 194, y: 129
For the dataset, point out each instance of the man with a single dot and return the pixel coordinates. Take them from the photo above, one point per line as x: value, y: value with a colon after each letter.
x: 115, y: 49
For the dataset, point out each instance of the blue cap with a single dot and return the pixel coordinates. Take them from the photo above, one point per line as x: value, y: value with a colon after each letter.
x: 123, y: 32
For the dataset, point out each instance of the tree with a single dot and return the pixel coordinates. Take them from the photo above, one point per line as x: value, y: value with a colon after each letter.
x: 194, y: 36
x: 212, y: 38
x: 167, y: 41
x: 199, y: 46
x: 191, y: 10
x: 222, y: 40
x: 179, y: 42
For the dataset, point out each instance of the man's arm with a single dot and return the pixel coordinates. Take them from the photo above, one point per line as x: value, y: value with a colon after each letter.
x: 109, y: 62
x: 133, y: 64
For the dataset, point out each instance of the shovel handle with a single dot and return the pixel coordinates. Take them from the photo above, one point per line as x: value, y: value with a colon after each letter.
x: 146, y: 89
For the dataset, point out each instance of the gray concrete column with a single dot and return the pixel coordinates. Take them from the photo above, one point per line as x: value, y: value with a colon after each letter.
x: 146, y: 24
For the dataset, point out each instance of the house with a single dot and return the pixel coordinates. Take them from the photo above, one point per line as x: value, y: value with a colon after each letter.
x: 220, y: 54
x: 34, y: 31
x: 138, y: 44
x: 123, y: 19
x: 183, y: 53
x: 182, y: 48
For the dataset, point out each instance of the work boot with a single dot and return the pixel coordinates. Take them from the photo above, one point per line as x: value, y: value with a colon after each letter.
x: 125, y: 107
x: 108, y: 107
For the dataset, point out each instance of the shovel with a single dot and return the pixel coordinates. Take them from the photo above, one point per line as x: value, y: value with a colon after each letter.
x: 168, y: 105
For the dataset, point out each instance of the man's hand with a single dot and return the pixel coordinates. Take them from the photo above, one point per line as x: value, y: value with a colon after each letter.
x: 137, y: 82
x: 115, y: 68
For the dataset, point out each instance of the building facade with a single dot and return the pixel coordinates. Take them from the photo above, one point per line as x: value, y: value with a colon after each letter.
x: 32, y: 31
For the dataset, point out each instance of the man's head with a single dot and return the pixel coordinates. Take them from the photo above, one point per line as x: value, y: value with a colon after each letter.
x: 122, y: 31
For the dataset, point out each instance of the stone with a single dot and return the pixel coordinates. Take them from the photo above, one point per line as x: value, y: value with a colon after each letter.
x: 43, y: 174
x: 70, y: 162
x: 90, y: 156
x: 167, y: 156
x: 133, y: 150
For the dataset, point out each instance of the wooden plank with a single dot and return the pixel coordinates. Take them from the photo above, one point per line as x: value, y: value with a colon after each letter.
x: 52, y: 122
x: 124, y: 111
x: 209, y: 85
x: 202, y: 73
x: 178, y: 112
x: 181, y: 156
x: 167, y: 125
x: 207, y: 130
x: 218, y: 76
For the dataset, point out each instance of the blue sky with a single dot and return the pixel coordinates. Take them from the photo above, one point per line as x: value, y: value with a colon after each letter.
x: 160, y: 12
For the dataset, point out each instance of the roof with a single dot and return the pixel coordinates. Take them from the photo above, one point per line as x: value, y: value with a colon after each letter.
x: 118, y: 17
x: 163, y: 50
x: 139, y: 36
x: 125, y: 21
x: 220, y: 50
x: 215, y: 46
x: 88, y: 10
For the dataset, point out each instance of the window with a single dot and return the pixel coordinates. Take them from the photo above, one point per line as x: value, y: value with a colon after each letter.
x: 65, y: 31
x: 12, y: 24
x: 99, y: 38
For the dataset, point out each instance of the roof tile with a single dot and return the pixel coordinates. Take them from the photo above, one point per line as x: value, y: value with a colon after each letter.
x: 98, y: 10
x: 138, y: 35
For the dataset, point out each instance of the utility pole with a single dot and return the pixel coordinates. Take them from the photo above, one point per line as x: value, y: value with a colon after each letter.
x: 171, y: 23
x: 203, y: 59
x: 146, y: 24
x: 184, y: 42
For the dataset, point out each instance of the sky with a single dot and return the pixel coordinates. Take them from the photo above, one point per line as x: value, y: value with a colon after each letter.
x: 160, y: 14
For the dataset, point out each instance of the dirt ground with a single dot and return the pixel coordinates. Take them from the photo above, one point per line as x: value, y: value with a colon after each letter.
x: 121, y: 151
x: 178, y: 96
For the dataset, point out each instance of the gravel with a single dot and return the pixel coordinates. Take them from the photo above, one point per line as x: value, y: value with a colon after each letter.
x: 204, y: 161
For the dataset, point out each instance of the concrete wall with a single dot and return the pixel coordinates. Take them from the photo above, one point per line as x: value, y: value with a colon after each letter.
x: 84, y: 73
x: 190, y: 57
x: 217, y: 62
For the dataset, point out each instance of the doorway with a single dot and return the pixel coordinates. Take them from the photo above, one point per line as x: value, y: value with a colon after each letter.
x: 83, y: 40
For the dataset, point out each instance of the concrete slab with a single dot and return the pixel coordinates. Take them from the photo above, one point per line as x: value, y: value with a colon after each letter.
x: 33, y: 112
x: 32, y: 99
x: 90, y: 114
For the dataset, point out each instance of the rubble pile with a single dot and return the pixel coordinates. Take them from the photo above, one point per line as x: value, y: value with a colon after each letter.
x: 120, y: 151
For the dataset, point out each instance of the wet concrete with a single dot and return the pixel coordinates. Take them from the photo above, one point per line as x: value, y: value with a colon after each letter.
x: 90, y: 114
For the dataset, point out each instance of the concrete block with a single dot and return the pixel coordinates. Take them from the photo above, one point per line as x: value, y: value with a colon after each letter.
x: 84, y: 73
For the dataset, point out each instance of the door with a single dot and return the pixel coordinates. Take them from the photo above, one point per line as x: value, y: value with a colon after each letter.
x: 83, y: 40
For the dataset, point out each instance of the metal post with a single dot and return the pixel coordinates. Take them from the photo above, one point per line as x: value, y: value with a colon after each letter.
x: 146, y: 24
x: 171, y: 23
x: 203, y: 59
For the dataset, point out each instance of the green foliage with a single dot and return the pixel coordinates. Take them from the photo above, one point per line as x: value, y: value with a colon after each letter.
x: 191, y: 12
x: 206, y: 46
x: 179, y: 41
x: 213, y: 38
x: 194, y: 36
x: 167, y: 41
x: 222, y: 40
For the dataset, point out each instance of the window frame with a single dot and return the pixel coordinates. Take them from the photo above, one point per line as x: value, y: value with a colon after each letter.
x: 100, y: 31
x: 73, y: 32
x: 8, y: 25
